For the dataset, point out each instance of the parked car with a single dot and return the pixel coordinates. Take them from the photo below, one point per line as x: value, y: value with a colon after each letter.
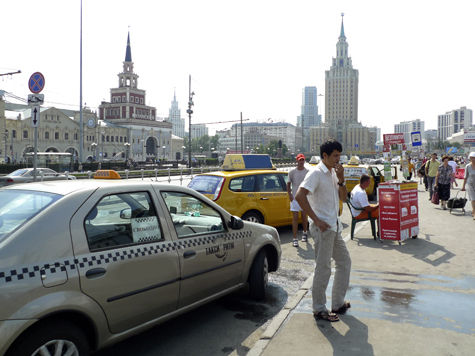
x: 25, y: 175
x: 85, y: 264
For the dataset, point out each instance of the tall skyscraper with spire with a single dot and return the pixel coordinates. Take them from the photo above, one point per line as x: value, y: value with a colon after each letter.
x: 174, y: 116
x: 341, y: 105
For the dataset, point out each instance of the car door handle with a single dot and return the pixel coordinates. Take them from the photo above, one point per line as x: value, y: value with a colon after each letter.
x: 95, y: 272
x: 189, y: 254
x: 264, y: 198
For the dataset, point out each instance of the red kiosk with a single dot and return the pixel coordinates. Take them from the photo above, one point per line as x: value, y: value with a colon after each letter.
x: 398, y: 210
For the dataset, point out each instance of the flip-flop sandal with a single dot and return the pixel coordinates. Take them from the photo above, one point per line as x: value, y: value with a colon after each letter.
x: 324, y: 315
x: 342, y: 310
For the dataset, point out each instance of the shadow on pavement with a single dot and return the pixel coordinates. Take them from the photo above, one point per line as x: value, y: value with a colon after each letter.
x: 422, y: 249
x: 353, y: 342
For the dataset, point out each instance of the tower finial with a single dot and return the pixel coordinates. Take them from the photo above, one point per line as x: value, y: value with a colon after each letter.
x: 342, y: 31
x: 128, y: 51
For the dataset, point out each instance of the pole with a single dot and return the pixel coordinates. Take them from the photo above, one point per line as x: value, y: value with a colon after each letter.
x: 35, y: 156
x: 241, y: 134
x: 189, y: 111
x: 235, y: 138
x: 81, y: 128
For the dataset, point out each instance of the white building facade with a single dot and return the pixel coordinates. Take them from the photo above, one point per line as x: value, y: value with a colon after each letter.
x: 454, y: 121
x: 174, y: 116
x: 406, y: 127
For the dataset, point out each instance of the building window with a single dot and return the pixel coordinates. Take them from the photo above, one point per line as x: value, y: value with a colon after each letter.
x: 131, y: 98
x: 136, y: 100
x: 141, y: 100
x: 14, y: 133
x: 117, y: 139
x: 120, y: 138
x: 107, y: 138
x: 112, y: 138
x: 75, y: 136
x: 46, y: 135
x: 56, y: 135
x: 123, y: 98
x: 66, y: 136
x: 25, y: 134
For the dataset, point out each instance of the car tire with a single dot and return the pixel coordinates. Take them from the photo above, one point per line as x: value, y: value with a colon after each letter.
x: 258, y: 276
x: 53, y: 336
x: 253, y: 216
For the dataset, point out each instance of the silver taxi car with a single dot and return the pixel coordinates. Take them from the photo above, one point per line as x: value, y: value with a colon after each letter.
x: 26, y: 175
x: 84, y: 264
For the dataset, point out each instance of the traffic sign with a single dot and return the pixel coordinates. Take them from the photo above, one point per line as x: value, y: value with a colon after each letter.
x: 36, y: 83
x: 35, y: 99
x: 416, y: 138
x: 35, y: 116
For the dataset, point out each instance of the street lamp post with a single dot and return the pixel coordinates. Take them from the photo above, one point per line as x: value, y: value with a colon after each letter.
x: 127, y: 148
x: 189, y: 112
x: 164, y: 147
x: 6, y: 142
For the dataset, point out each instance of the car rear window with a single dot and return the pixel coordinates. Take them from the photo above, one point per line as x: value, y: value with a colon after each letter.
x: 19, y: 206
x: 205, y: 184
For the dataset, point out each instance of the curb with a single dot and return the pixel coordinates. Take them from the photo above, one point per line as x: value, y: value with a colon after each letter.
x: 279, y: 319
x: 291, y: 304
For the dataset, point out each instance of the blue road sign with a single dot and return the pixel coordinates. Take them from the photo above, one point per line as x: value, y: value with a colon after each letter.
x: 36, y: 83
x: 416, y: 138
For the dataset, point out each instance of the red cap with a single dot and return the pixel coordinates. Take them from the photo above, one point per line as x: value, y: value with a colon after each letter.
x: 300, y: 156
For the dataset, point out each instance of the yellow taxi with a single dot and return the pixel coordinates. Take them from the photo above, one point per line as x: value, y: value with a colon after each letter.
x: 250, y: 187
x: 354, y: 170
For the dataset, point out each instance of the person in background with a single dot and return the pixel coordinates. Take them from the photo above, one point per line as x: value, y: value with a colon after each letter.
x: 422, y: 172
x: 418, y: 170
x: 319, y: 196
x: 453, y: 164
x: 410, y: 168
x: 431, y: 171
x: 469, y: 181
x: 296, y: 176
x: 443, y: 180
x: 359, y: 199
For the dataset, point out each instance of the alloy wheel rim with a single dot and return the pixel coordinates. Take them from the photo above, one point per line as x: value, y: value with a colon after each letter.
x: 57, y: 347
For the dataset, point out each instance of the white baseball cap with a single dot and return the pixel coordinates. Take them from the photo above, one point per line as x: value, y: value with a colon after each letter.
x: 472, y: 154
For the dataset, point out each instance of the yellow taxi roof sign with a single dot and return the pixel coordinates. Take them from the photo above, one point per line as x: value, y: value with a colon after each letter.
x: 238, y: 162
x: 106, y: 174
x: 354, y: 160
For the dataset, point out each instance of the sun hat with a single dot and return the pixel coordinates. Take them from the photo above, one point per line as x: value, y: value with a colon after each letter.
x: 300, y: 156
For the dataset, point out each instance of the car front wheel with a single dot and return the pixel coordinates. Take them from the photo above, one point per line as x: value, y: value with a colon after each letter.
x: 59, y: 338
x: 259, y: 276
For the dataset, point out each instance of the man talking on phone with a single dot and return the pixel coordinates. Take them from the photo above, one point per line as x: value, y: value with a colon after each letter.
x: 319, y: 196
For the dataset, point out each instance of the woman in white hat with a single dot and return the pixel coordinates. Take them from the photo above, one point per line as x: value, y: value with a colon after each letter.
x: 469, y: 181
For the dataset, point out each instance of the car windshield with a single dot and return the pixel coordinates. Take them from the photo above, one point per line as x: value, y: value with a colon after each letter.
x: 205, y: 184
x: 18, y: 172
x: 19, y: 206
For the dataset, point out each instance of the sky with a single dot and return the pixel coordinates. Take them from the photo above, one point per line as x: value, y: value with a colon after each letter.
x: 414, y: 57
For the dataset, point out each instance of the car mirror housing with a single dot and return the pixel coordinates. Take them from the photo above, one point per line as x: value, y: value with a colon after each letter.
x: 236, y: 223
x: 126, y: 213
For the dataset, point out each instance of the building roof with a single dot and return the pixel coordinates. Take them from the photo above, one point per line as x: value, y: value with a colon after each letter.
x: 128, y: 51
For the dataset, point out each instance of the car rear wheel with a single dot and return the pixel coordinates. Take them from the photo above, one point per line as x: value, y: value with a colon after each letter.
x: 59, y: 338
x: 259, y: 276
x: 253, y: 216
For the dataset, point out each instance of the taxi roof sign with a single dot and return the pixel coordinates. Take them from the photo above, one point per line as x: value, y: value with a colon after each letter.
x: 106, y: 174
x: 238, y: 162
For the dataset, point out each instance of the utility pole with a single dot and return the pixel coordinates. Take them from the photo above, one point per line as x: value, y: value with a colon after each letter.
x: 81, y: 126
x: 189, y: 112
x: 241, y: 135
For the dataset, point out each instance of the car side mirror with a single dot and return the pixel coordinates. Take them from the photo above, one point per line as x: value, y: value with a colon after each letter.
x: 236, y: 223
x: 126, y: 213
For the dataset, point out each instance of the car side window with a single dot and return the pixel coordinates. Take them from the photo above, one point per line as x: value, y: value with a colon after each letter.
x: 122, y: 219
x: 270, y: 183
x: 192, y: 216
x: 243, y: 184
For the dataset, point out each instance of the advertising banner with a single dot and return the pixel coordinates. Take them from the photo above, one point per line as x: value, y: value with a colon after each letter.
x: 391, y: 139
x: 469, y: 138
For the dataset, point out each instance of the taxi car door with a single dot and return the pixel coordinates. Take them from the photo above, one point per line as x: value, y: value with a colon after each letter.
x: 274, y: 201
x: 211, y: 257
x: 125, y: 258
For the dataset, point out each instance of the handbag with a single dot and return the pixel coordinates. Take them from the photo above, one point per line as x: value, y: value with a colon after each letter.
x: 435, y: 197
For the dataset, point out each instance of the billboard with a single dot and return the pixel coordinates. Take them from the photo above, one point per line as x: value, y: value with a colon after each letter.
x: 391, y: 139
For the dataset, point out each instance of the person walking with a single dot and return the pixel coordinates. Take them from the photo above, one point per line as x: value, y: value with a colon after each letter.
x: 469, y: 181
x: 443, y: 179
x: 431, y: 171
x: 453, y: 164
x: 296, y: 176
x: 410, y: 168
x: 319, y: 196
x: 422, y: 172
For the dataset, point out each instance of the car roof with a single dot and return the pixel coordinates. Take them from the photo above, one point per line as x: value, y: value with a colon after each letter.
x: 246, y: 172
x: 65, y: 187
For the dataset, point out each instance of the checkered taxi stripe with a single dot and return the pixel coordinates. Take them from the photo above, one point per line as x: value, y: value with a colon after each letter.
x: 104, y: 258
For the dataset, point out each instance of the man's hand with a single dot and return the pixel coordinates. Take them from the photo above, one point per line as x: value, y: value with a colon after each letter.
x: 340, y: 172
x: 322, y: 225
x: 291, y: 197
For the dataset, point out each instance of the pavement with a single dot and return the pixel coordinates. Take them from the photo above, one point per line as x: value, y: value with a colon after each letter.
x: 417, y: 298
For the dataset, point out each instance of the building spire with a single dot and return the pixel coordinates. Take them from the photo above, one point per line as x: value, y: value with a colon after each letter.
x: 342, y: 31
x: 128, y: 51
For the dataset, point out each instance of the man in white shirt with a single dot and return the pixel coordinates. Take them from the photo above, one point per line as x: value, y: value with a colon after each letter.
x: 453, y: 164
x: 296, y: 176
x: 359, y: 199
x: 319, y: 196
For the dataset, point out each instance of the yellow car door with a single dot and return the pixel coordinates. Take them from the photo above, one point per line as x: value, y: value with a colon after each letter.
x: 273, y: 199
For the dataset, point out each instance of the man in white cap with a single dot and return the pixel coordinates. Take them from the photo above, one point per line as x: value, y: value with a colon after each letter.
x: 296, y: 176
x: 469, y: 181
